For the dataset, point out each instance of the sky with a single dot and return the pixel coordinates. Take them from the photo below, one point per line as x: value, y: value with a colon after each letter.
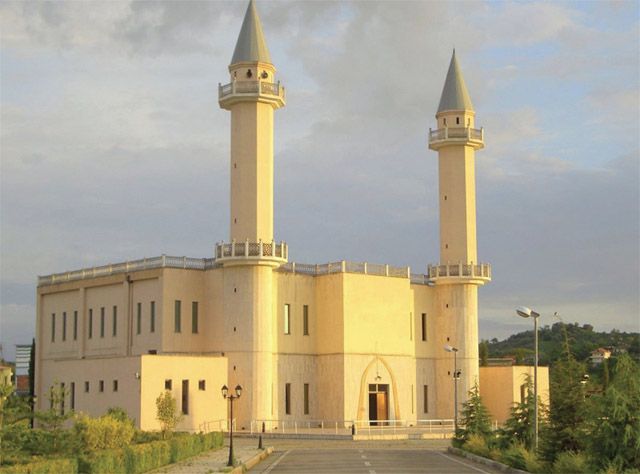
x: 113, y: 147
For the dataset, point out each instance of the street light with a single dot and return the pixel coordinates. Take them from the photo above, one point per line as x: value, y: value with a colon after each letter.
x: 456, y: 375
x: 525, y: 312
x: 231, y: 398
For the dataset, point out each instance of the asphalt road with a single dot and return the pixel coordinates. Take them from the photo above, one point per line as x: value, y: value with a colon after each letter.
x: 367, y: 459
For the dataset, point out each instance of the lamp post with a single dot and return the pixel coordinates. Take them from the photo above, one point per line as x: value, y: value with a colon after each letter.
x: 231, y: 398
x: 456, y: 375
x: 525, y: 312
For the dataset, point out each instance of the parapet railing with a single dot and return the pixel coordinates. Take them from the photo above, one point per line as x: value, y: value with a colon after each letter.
x: 383, y: 427
x: 251, y: 87
x: 456, y: 132
x: 345, y: 266
x: 163, y: 261
x: 462, y: 270
x: 249, y: 249
x: 302, y: 426
x: 216, y: 425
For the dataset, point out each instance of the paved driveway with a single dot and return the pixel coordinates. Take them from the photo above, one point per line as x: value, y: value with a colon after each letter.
x: 352, y: 457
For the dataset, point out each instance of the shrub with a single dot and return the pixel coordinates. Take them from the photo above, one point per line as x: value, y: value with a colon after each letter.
x: 146, y: 457
x: 107, y: 461
x: 477, y: 445
x: 105, y: 432
x: 532, y: 463
x: 48, y: 466
x: 514, y: 456
x: 571, y: 463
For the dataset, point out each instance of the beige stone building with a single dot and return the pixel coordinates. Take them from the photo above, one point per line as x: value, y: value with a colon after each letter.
x: 336, y: 341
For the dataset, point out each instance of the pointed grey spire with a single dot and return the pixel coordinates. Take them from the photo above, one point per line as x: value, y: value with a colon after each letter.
x: 251, y: 45
x: 454, y: 93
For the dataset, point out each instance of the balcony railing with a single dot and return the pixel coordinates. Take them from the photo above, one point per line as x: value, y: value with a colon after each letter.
x: 346, y: 266
x: 456, y: 133
x: 163, y: 261
x: 252, y: 250
x: 480, y: 271
x: 251, y: 87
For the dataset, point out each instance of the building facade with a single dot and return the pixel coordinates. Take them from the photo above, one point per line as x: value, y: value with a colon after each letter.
x: 338, y: 341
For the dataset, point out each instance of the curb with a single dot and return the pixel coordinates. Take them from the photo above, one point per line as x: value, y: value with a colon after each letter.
x: 244, y: 467
x: 485, y: 461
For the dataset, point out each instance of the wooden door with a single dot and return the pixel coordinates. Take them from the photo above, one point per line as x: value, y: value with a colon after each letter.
x: 382, y: 407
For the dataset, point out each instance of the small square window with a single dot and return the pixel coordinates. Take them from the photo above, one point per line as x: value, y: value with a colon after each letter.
x: 101, y: 386
x: 201, y: 385
x: 167, y: 384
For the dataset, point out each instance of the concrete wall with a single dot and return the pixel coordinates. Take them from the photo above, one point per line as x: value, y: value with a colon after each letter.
x: 500, y: 388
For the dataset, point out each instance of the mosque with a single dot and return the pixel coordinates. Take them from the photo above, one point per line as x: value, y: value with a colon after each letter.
x: 336, y: 341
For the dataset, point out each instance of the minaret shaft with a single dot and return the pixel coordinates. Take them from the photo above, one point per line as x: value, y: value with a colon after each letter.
x: 251, y: 172
x: 457, y: 204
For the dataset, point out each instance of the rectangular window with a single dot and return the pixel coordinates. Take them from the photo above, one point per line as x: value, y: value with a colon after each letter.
x: 177, y: 323
x: 287, y: 398
x: 139, y: 319
x: 194, y: 317
x: 185, y: 397
x: 90, y: 323
x: 86, y: 387
x: 62, y: 397
x: 424, y: 326
x: 287, y: 319
x: 305, y: 320
x: 64, y: 325
x: 306, y: 399
x: 426, y: 398
x: 102, y: 322
x: 115, y: 385
x: 412, y: 408
x: 72, y: 396
x: 101, y: 386
x: 53, y: 327
x: 152, y: 311
x: 115, y: 321
x: 75, y: 325
x: 202, y: 385
x: 167, y: 384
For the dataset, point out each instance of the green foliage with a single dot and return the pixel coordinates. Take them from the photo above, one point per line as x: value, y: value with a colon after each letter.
x: 145, y: 457
x: 570, y: 462
x: 520, y: 426
x: 14, y: 411
x: 483, y: 353
x: 615, y: 424
x: 119, y: 414
x: 568, y: 411
x: 47, y: 466
x: 105, y: 432
x: 166, y: 412
x: 477, y: 444
x: 475, y: 417
x: 514, y: 456
x: 583, y: 340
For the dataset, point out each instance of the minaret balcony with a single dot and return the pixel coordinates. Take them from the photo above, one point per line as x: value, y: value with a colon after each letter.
x: 252, y: 253
x: 474, y: 273
x: 253, y: 91
x: 448, y: 136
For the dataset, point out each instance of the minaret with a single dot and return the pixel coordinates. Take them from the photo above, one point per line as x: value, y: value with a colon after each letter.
x: 249, y: 259
x: 458, y: 274
x: 251, y: 96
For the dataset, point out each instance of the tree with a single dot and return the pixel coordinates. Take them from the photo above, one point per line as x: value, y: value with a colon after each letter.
x: 520, y: 427
x: 475, y: 417
x: 53, y: 418
x: 615, y: 426
x: 32, y: 377
x: 13, y: 410
x: 166, y: 412
x: 566, y: 429
x: 483, y: 351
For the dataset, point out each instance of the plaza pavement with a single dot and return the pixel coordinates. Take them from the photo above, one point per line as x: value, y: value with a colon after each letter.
x: 336, y: 457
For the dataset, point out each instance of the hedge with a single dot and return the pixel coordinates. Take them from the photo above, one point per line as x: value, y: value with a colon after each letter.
x: 48, y: 466
x: 141, y: 458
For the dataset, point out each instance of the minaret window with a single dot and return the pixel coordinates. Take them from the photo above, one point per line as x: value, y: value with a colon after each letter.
x: 457, y: 120
x: 249, y: 73
x: 444, y: 120
x: 265, y: 75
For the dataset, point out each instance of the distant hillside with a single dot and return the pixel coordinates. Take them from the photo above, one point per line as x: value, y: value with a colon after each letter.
x: 582, y: 340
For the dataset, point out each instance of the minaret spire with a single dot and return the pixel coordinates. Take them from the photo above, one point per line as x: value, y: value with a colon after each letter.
x: 251, y: 45
x: 454, y: 93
